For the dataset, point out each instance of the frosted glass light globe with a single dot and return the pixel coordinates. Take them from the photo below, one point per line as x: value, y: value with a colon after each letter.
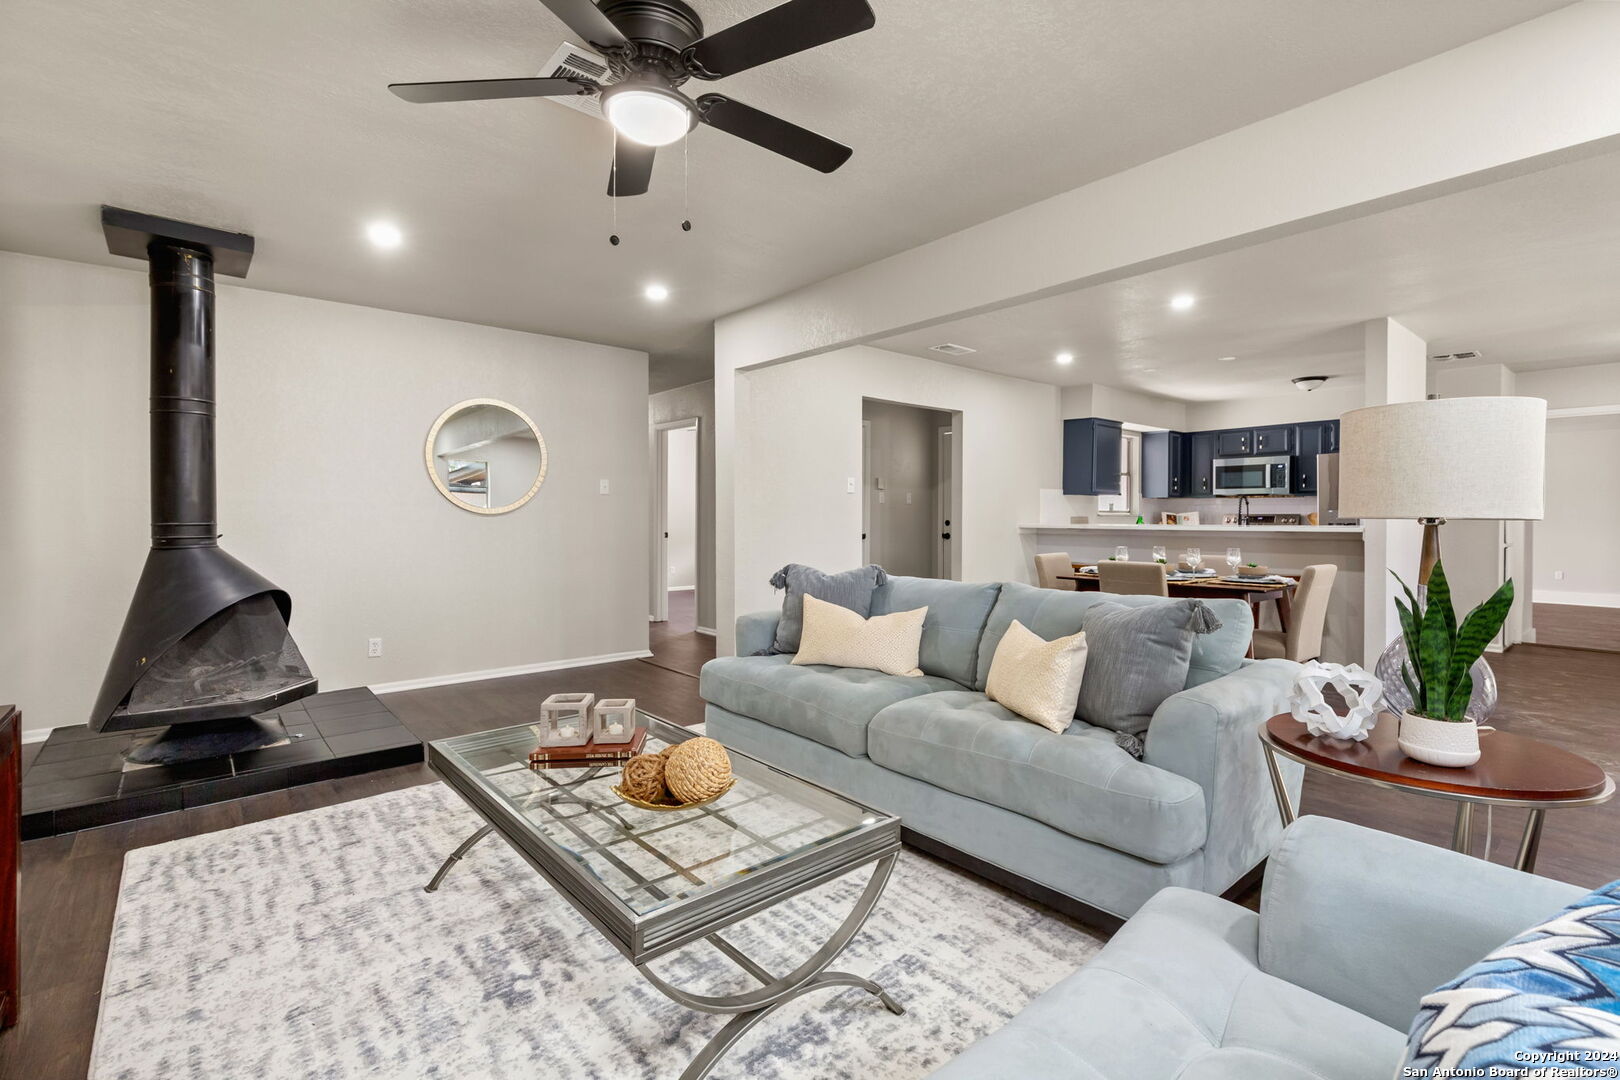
x: 648, y: 117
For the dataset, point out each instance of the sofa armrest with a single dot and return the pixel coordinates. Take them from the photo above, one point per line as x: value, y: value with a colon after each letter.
x: 1208, y: 734
x: 756, y: 631
x: 1374, y: 921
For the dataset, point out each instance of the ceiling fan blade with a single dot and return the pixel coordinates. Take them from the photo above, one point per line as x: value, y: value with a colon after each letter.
x: 486, y: 89
x: 782, y: 31
x: 586, y: 19
x: 772, y: 132
x: 631, y: 170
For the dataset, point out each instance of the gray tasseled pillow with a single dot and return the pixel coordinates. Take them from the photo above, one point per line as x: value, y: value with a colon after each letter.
x: 1137, y: 657
x: 852, y: 589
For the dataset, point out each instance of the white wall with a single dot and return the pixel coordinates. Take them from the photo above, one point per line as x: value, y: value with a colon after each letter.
x: 905, y: 453
x: 685, y: 403
x: 1573, y: 387
x: 1295, y: 407
x: 798, y: 447
x: 680, y: 494
x: 323, y: 409
x: 1578, y: 535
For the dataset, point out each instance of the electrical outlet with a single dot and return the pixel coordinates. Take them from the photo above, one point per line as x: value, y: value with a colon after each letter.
x: 601, y: 487
x: 1558, y: 575
x: 908, y: 498
x: 849, y: 486
x: 374, y: 646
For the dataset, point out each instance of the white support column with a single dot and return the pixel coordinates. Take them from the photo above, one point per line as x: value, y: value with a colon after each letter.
x: 1396, y: 370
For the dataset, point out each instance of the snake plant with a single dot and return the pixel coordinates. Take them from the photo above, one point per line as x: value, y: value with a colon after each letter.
x: 1440, y: 653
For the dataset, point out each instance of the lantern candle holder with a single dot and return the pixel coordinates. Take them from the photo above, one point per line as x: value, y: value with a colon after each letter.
x: 614, y: 721
x: 565, y: 719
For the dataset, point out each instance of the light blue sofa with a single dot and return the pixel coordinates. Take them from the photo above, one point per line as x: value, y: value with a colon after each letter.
x: 1354, y: 927
x: 1070, y: 816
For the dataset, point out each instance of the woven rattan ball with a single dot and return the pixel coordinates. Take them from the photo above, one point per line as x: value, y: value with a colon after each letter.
x: 643, y: 778
x: 664, y: 753
x: 697, y: 769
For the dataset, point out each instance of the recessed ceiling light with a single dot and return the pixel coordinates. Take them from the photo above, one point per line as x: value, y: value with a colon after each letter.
x: 1182, y: 301
x: 1149, y: 370
x: 1226, y: 359
x: 385, y: 234
x: 1064, y: 357
x: 656, y: 293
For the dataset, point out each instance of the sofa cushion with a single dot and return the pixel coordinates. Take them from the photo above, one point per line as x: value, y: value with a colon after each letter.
x: 957, y: 611
x: 1177, y: 995
x: 850, y: 589
x: 830, y: 705
x: 1055, y: 613
x: 838, y: 637
x: 1078, y: 782
x: 1139, y: 656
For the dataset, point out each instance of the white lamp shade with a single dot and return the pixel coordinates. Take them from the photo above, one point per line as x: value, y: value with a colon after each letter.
x: 1455, y: 458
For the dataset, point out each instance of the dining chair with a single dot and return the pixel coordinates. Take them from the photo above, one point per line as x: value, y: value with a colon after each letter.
x: 1303, y: 639
x: 1049, y: 565
x: 1140, y: 578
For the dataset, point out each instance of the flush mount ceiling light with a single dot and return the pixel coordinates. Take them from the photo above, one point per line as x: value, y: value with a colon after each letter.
x: 1309, y: 382
x: 656, y: 293
x: 647, y: 114
x: 1182, y: 301
x: 385, y: 235
x: 1064, y: 357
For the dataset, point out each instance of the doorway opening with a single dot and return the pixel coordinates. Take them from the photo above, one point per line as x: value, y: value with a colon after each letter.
x: 911, y: 489
x: 1574, y: 584
x: 676, y: 524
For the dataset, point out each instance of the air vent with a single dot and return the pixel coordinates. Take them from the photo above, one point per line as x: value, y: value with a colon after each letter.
x: 1466, y: 354
x: 571, y: 61
x: 951, y: 350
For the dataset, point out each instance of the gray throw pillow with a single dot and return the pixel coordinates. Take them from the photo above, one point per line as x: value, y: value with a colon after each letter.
x: 852, y: 589
x: 1137, y: 657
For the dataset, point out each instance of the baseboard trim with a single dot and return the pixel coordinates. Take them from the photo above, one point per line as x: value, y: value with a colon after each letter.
x: 506, y: 672
x: 1576, y: 599
x: 34, y: 735
x: 708, y: 630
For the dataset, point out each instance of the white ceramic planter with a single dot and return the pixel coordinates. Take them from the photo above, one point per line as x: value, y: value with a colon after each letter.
x: 1439, y: 742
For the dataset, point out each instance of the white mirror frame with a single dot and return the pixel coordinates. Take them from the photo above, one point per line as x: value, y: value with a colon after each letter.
x: 438, y: 482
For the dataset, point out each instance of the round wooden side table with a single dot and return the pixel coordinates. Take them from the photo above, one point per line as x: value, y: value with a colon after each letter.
x: 1512, y: 770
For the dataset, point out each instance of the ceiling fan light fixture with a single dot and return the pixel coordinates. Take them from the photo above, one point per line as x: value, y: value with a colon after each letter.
x: 1309, y: 382
x: 647, y: 114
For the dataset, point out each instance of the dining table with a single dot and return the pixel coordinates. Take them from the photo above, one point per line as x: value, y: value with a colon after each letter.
x: 1255, y: 592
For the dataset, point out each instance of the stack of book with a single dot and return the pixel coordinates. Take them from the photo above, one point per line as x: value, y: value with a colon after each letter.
x: 590, y: 753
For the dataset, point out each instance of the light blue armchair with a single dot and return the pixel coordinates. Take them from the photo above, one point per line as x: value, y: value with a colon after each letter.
x: 1354, y: 927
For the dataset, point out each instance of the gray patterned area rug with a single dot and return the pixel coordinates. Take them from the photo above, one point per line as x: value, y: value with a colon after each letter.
x: 305, y: 947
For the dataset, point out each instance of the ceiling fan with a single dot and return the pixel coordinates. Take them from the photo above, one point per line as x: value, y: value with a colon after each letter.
x: 653, y: 47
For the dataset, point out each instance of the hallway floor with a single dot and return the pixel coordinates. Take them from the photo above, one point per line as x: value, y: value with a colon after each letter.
x: 1571, y: 627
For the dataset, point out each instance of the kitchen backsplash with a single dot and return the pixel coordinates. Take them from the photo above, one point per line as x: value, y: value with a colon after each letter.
x: 1214, y: 511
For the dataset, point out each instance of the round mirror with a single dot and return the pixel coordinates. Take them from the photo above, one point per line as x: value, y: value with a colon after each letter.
x: 486, y: 456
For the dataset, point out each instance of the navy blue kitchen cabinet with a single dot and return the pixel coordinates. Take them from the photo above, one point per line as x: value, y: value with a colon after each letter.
x: 1091, y: 456
x: 1274, y: 440
x: 1235, y: 442
x: 1201, y: 464
x: 1317, y: 437
x: 1164, y: 465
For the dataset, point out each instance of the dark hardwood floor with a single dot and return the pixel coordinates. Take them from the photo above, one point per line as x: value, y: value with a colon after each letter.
x: 676, y: 644
x: 1575, y: 627
x: 70, y: 883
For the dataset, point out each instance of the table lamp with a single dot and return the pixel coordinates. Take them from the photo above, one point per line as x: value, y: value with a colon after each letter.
x: 1445, y: 458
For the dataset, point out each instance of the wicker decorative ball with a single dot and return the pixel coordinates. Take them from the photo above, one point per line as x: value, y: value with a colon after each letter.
x: 697, y: 769
x: 643, y: 778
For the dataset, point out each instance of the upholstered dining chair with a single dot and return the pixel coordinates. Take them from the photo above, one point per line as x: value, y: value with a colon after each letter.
x: 1142, y: 578
x: 1303, y: 639
x: 1049, y: 565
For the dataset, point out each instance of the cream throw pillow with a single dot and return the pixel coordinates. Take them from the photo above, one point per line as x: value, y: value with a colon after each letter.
x: 1038, y: 679
x: 838, y: 636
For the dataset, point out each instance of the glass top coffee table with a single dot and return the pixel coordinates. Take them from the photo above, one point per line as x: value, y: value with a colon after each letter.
x: 653, y: 881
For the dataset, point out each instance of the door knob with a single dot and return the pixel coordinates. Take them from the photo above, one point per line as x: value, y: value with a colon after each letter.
x: 944, y: 536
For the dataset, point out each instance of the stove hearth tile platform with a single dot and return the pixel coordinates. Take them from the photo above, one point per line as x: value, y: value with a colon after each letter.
x: 80, y: 779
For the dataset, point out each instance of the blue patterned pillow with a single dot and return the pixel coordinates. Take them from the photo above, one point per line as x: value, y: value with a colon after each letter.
x: 1548, y: 1000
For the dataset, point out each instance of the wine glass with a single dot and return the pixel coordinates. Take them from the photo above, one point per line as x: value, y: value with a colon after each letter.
x: 1158, y: 553
x: 1233, y: 557
x: 1194, y: 558
x: 1122, y: 554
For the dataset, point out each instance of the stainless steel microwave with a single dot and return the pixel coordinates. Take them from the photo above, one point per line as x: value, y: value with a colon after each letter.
x: 1252, y: 475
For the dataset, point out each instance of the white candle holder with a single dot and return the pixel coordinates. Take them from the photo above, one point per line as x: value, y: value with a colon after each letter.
x: 565, y: 719
x: 614, y: 721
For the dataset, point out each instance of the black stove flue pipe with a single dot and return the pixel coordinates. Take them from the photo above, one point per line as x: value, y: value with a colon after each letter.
x: 184, y: 493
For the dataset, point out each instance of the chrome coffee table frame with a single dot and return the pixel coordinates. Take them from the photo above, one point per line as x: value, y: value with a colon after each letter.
x: 644, y: 937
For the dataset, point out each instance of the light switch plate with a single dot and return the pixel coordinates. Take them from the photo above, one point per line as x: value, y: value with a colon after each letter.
x: 601, y: 487
x: 849, y: 485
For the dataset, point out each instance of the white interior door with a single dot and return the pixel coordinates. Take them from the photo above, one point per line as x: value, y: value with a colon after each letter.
x: 866, y: 492
x: 946, y: 519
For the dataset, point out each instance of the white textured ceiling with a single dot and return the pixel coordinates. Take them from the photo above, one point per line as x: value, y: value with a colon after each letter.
x: 273, y: 117
x: 1525, y: 270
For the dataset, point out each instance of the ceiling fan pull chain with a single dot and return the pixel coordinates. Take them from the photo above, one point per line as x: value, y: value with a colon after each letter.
x: 686, y: 187
x: 613, y: 238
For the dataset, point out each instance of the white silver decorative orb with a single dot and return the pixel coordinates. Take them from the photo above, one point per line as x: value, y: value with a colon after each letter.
x: 1397, y: 699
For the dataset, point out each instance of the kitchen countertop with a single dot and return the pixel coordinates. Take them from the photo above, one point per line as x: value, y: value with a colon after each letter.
x: 1305, y: 530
